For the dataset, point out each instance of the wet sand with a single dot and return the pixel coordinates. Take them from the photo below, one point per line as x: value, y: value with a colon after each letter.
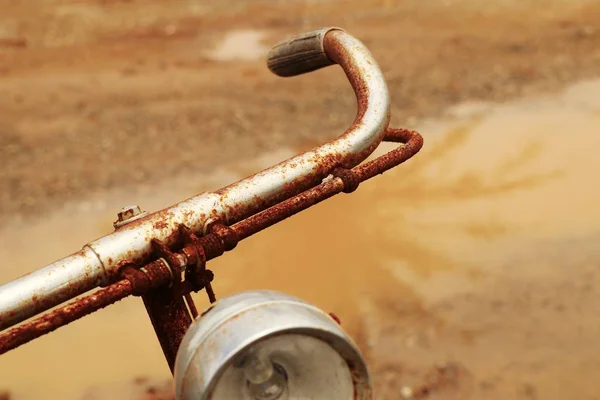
x: 480, y: 251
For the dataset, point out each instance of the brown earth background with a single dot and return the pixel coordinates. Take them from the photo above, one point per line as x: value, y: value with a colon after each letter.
x: 470, y: 272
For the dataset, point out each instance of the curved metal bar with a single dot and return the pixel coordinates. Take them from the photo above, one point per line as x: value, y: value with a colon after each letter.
x: 99, y: 260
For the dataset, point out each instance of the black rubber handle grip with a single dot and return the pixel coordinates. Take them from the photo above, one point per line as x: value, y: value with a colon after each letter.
x: 299, y: 54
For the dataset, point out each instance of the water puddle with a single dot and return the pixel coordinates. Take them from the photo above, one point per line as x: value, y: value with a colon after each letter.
x: 491, y: 178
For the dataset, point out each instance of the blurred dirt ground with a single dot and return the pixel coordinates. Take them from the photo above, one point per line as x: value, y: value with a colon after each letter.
x: 100, y: 95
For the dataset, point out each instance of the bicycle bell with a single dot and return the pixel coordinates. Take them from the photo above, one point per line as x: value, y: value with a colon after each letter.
x: 264, y: 345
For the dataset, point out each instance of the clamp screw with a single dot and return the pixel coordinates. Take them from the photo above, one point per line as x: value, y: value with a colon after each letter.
x: 129, y: 214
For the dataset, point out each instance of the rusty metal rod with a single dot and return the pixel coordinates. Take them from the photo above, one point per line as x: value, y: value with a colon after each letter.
x: 287, y: 208
x: 413, y: 142
x: 47, y: 323
x: 170, y: 319
x: 156, y: 273
x: 22, y: 334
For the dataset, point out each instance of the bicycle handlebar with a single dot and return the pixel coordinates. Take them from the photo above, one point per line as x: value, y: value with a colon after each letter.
x: 99, y: 261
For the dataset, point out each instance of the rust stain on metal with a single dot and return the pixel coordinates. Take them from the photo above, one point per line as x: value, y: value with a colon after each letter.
x: 227, y: 235
x: 338, y: 53
x: 57, y: 318
x: 160, y: 224
x: 39, y: 301
x: 158, y: 273
x: 155, y: 274
x: 413, y: 143
x: 286, y: 209
x: 188, y: 215
x: 361, y: 388
x: 335, y: 318
x: 170, y: 319
x: 191, y: 254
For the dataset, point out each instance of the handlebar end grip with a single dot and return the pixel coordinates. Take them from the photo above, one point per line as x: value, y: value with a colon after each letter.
x: 300, y: 54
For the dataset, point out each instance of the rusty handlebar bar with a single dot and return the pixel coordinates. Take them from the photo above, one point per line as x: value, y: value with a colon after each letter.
x: 223, y: 217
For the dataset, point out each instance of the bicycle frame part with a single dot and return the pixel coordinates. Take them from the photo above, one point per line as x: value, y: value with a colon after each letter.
x: 99, y: 262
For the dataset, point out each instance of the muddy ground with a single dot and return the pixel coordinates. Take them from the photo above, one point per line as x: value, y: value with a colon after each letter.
x: 111, y: 93
x: 480, y: 279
